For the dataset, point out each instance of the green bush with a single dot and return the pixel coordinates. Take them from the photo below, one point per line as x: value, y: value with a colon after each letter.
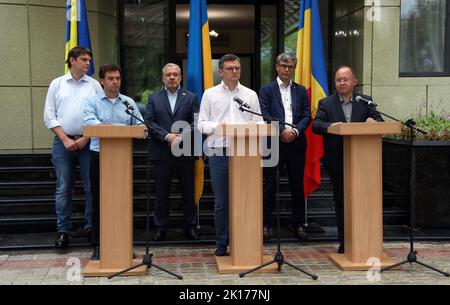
x: 436, y: 125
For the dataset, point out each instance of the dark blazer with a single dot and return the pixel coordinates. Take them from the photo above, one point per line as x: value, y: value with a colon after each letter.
x: 272, y: 107
x: 160, y: 118
x: 330, y: 111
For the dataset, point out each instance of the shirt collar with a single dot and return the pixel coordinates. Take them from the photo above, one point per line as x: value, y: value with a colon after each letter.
x: 280, y: 83
x: 225, y: 87
x: 342, y: 100
x: 69, y: 76
x: 102, y: 96
x: 176, y: 92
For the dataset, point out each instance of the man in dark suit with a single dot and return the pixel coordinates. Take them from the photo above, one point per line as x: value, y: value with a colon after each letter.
x: 287, y: 101
x: 170, y: 105
x: 341, y: 107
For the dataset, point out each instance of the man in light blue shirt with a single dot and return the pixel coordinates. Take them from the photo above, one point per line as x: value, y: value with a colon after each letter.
x: 63, y: 115
x: 108, y: 107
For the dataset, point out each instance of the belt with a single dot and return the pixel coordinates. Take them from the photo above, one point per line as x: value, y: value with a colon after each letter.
x: 74, y: 137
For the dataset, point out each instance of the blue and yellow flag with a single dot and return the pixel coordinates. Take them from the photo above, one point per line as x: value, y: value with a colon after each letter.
x: 312, y: 74
x: 77, y: 29
x: 199, y: 70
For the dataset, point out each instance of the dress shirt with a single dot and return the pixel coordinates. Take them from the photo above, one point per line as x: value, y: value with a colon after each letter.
x: 99, y: 110
x: 218, y: 107
x: 172, y: 98
x: 64, y: 102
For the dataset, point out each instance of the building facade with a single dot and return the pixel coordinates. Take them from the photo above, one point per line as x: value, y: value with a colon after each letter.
x: 398, y: 48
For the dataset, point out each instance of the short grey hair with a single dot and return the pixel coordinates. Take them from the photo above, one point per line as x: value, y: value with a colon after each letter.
x: 283, y: 57
x: 171, y: 65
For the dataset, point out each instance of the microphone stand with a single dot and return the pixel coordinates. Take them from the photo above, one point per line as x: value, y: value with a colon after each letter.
x: 147, y: 258
x: 279, y: 257
x: 412, y: 256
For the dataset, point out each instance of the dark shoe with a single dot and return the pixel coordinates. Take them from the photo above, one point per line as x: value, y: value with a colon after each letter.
x: 95, y: 254
x: 90, y: 237
x: 160, y: 235
x: 221, y: 251
x: 301, y: 234
x: 62, y: 240
x: 341, y: 249
x: 266, y: 234
x: 192, y: 233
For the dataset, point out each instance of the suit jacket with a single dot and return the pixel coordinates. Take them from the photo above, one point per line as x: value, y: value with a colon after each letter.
x: 272, y: 107
x: 330, y: 111
x: 160, y: 118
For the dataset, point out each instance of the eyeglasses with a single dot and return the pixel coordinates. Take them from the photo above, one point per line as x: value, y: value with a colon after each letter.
x: 231, y: 69
x: 343, y: 80
x: 286, y: 67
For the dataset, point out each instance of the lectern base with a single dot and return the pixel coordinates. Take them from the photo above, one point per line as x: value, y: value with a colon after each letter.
x: 225, y: 266
x: 93, y: 269
x: 343, y: 263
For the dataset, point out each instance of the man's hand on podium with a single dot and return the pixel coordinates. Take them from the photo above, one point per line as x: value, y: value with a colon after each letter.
x: 370, y: 120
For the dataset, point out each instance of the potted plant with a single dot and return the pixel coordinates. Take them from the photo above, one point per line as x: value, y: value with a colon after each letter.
x: 432, y: 152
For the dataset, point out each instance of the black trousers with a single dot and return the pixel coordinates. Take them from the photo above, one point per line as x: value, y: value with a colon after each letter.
x: 164, y: 170
x: 294, y: 158
x: 95, y: 192
x: 336, y: 172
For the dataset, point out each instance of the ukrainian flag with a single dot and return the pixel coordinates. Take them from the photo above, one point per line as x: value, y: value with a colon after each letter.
x: 199, y: 70
x: 77, y: 29
x: 312, y: 73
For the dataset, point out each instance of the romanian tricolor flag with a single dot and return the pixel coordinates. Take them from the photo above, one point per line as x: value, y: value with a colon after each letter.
x: 199, y: 71
x: 77, y: 29
x: 311, y: 73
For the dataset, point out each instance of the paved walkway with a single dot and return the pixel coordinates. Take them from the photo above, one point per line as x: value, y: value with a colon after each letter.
x: 198, y: 267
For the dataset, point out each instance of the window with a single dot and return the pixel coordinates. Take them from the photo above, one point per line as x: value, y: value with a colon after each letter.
x: 424, y: 40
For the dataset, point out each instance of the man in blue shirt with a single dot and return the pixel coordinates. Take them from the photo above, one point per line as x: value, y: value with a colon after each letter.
x: 108, y: 107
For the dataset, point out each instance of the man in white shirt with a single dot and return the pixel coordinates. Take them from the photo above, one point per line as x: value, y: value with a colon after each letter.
x: 63, y: 115
x: 217, y: 108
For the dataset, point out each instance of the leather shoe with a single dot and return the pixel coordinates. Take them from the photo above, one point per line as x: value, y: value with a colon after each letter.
x: 160, y: 235
x: 301, y: 234
x: 221, y: 251
x: 95, y: 254
x: 90, y: 237
x: 62, y: 240
x: 192, y: 233
x: 341, y: 249
x: 266, y: 233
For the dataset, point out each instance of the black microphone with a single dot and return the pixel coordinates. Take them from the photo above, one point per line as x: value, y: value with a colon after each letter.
x: 365, y: 101
x: 241, y: 102
x: 127, y: 104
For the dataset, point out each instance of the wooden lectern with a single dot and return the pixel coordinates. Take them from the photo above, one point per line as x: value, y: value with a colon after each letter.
x: 363, y: 194
x: 116, y: 199
x: 245, y: 198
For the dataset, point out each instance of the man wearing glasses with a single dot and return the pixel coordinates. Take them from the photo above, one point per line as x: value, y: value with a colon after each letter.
x: 341, y: 107
x: 287, y: 101
x: 217, y: 108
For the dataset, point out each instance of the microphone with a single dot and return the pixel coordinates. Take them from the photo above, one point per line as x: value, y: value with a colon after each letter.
x: 241, y: 102
x: 127, y: 104
x: 365, y: 101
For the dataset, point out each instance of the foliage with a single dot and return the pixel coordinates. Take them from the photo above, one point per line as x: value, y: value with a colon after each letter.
x: 437, y: 126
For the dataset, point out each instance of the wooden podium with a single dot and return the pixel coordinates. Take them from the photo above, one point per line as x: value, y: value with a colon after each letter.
x: 245, y: 199
x: 363, y: 194
x: 116, y: 199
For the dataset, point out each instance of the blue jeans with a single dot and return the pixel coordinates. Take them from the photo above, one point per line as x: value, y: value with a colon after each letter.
x: 218, y: 167
x: 65, y: 163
